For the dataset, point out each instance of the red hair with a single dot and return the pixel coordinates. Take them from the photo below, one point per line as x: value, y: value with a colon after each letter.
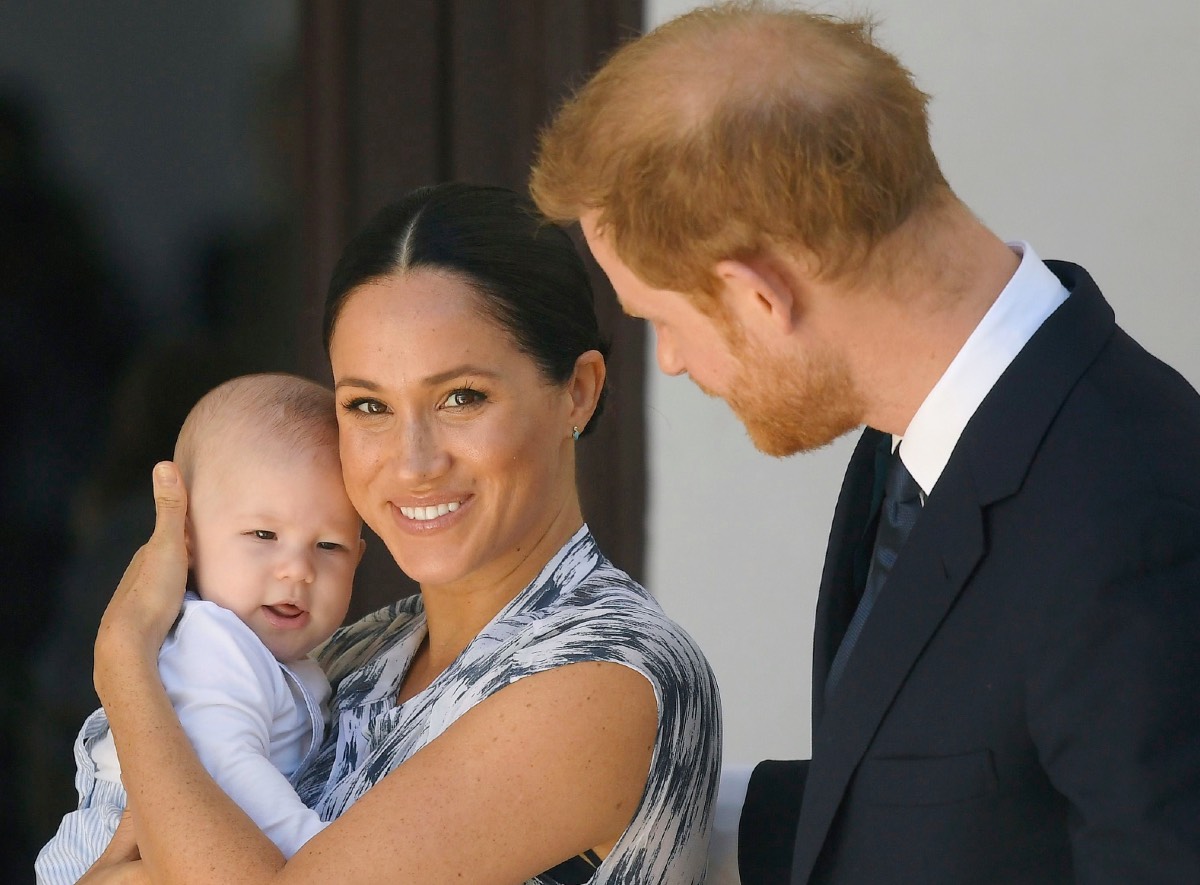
x: 737, y: 127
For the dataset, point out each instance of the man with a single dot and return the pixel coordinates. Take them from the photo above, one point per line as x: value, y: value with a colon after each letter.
x: 1006, y: 648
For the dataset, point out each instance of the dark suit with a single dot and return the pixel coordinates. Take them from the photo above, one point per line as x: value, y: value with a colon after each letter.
x: 1023, y: 705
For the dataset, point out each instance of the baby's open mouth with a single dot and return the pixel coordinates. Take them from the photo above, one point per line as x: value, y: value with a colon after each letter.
x: 286, y: 610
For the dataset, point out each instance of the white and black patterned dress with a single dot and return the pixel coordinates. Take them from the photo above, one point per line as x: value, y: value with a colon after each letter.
x: 580, y: 608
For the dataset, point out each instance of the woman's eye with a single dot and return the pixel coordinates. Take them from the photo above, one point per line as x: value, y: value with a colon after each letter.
x: 264, y: 535
x: 463, y: 397
x: 366, y: 406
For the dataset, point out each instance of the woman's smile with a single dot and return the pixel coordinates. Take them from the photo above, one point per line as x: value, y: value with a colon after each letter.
x: 455, y: 446
x: 429, y: 511
x: 425, y: 518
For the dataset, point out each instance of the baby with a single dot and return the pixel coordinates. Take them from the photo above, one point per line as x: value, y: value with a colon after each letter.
x: 273, y: 543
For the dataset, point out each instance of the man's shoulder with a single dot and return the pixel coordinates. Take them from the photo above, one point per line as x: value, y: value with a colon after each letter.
x: 1123, y: 369
x: 1083, y: 384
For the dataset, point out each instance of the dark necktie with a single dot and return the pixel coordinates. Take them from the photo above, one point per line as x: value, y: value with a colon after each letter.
x: 897, y: 515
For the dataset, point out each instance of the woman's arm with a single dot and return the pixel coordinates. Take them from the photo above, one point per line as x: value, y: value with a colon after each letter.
x: 158, y: 765
x: 545, y: 768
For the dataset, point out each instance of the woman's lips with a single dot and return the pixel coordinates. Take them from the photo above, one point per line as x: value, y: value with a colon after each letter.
x: 419, y: 519
x: 429, y: 512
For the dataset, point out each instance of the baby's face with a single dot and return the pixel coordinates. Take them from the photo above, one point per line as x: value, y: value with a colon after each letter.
x: 274, y: 539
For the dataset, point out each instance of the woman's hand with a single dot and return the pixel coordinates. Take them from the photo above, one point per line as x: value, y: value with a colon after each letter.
x: 120, y: 863
x: 147, y: 600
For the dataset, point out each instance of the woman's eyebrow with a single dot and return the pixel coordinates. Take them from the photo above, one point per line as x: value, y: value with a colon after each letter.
x: 458, y: 372
x: 430, y: 380
x: 355, y: 382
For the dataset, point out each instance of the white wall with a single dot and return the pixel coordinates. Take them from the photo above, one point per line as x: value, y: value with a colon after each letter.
x: 1074, y: 126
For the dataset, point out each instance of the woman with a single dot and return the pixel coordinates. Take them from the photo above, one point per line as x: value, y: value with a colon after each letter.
x: 532, y: 715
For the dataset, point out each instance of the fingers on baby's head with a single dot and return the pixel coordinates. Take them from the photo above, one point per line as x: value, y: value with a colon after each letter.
x: 170, y: 501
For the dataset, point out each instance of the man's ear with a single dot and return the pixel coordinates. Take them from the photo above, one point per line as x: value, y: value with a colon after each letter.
x: 758, y: 290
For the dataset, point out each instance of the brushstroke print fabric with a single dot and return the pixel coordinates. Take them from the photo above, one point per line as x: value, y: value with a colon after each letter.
x: 580, y: 608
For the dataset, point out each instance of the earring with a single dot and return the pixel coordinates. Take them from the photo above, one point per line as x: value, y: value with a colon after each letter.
x: 575, y: 433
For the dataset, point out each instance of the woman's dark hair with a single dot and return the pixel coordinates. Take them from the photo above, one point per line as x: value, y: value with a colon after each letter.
x: 528, y: 275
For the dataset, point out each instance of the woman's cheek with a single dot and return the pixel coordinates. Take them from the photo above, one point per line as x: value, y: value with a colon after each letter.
x: 358, y: 457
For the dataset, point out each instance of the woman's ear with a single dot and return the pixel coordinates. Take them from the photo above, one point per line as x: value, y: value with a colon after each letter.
x: 758, y: 290
x: 584, y: 387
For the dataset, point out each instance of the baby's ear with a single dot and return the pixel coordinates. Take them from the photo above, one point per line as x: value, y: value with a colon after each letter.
x: 362, y: 548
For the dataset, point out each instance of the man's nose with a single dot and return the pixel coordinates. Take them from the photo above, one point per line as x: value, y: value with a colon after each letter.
x: 668, y: 357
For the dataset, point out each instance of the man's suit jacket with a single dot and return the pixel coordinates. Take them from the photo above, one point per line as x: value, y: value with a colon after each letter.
x: 1023, y: 705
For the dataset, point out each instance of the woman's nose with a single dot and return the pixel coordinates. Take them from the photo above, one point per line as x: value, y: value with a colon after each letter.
x: 421, y: 453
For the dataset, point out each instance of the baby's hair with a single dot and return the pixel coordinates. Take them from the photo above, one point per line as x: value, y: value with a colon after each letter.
x: 254, y: 410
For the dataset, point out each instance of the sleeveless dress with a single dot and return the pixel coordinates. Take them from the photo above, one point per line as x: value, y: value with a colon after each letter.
x: 580, y: 608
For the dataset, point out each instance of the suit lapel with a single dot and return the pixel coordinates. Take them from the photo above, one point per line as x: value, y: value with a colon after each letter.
x: 848, y: 553
x: 989, y: 463
x: 939, y: 556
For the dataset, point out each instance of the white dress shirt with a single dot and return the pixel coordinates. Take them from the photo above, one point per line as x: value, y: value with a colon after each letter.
x: 1032, y: 294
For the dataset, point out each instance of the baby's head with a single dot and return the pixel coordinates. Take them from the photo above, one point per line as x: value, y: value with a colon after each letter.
x: 271, y: 534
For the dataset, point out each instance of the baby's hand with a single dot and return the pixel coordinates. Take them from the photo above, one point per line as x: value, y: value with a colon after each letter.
x: 147, y: 600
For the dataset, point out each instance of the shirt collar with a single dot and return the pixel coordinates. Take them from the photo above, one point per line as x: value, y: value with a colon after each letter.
x: 1031, y: 295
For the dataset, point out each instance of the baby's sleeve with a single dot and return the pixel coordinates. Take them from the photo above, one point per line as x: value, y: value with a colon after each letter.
x: 228, y: 692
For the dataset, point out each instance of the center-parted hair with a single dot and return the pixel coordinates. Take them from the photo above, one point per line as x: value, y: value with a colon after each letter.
x: 527, y: 273
x: 736, y: 127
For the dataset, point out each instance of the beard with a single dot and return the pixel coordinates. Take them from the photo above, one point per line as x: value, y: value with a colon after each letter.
x: 788, y: 408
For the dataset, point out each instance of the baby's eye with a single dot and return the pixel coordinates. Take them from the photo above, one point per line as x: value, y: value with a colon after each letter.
x: 329, y: 545
x: 264, y: 535
x: 463, y: 397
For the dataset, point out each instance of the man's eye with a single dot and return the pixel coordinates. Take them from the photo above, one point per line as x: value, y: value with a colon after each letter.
x: 264, y: 535
x: 463, y: 397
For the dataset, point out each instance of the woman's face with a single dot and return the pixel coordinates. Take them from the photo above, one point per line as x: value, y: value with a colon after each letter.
x: 455, y: 448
